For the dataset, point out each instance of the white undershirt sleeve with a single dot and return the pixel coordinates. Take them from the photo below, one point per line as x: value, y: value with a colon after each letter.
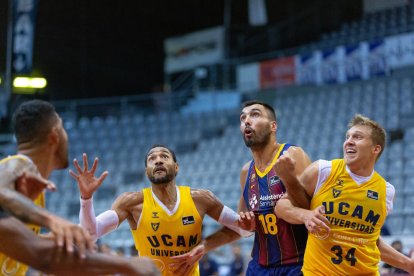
x: 325, y: 168
x: 229, y: 218
x: 390, y: 192
x: 99, y: 226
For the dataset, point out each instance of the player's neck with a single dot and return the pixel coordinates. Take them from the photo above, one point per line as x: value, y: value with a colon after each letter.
x: 363, y: 170
x: 167, y: 193
x: 264, y: 156
x: 40, y: 156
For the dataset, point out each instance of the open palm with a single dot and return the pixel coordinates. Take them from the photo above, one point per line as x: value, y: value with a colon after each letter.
x: 86, y: 179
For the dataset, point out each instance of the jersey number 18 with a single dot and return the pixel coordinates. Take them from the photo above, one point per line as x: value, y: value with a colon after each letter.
x: 268, y: 222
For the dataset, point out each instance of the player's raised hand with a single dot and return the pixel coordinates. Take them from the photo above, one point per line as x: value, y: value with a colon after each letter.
x: 69, y: 235
x: 86, y: 179
x: 247, y: 221
x: 285, y: 166
x: 32, y: 184
x: 182, y: 264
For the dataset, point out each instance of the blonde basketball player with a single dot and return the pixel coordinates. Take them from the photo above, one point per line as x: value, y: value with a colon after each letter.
x: 356, y: 201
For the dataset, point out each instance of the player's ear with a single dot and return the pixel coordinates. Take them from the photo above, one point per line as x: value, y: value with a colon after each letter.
x: 53, y: 136
x: 273, y: 126
x: 377, y: 149
x: 177, y: 168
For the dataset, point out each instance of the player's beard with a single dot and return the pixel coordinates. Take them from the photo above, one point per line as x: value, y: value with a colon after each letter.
x: 167, y: 178
x: 258, y: 139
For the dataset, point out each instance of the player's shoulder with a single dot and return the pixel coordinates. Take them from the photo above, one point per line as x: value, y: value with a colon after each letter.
x: 196, y: 193
x: 297, y: 152
x: 131, y: 197
x: 246, y: 166
x: 204, y: 197
x: 201, y: 194
x: 17, y: 163
x: 244, y: 172
x: 295, y: 149
x: 17, y: 158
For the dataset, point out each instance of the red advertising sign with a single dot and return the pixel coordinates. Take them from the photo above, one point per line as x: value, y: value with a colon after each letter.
x: 277, y: 72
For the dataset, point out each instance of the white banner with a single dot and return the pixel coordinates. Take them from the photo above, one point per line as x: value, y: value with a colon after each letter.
x: 194, y: 49
x: 377, y: 61
x: 400, y: 50
x: 333, y: 65
x: 308, y: 68
x: 356, y: 62
x: 248, y: 78
x: 24, y: 21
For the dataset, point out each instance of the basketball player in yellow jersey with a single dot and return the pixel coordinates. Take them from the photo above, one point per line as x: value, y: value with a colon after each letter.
x: 356, y: 201
x: 8, y: 265
x: 42, y: 147
x: 165, y: 219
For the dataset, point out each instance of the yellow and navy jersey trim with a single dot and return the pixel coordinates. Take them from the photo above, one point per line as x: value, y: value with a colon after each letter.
x: 282, y: 147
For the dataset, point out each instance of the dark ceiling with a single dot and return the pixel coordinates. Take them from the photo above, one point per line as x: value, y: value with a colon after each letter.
x: 106, y: 48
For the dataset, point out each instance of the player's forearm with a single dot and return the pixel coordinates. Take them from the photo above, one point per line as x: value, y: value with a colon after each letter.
x: 100, y: 225
x: 230, y: 219
x: 285, y: 210
x: 93, y: 264
x: 392, y: 257
x: 296, y: 192
x: 23, y: 208
x: 62, y: 263
x: 87, y: 216
x: 21, y: 244
x: 219, y: 238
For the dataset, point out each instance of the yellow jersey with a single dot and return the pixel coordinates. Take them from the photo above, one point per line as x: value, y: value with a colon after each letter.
x: 356, y: 213
x: 162, y: 234
x: 8, y: 266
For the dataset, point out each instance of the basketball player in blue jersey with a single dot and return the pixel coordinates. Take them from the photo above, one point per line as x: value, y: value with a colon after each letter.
x: 279, y: 243
x: 42, y: 147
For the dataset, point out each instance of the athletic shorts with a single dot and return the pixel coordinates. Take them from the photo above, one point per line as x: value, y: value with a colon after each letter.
x: 254, y: 269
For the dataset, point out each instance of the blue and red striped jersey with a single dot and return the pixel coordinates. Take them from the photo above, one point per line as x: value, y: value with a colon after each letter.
x: 276, y: 242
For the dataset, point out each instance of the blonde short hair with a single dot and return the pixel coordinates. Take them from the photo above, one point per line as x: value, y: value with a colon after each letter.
x: 378, y: 133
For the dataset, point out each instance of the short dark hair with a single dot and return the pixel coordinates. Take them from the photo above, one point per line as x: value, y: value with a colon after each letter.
x: 161, y: 146
x: 270, y: 110
x: 33, y: 120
